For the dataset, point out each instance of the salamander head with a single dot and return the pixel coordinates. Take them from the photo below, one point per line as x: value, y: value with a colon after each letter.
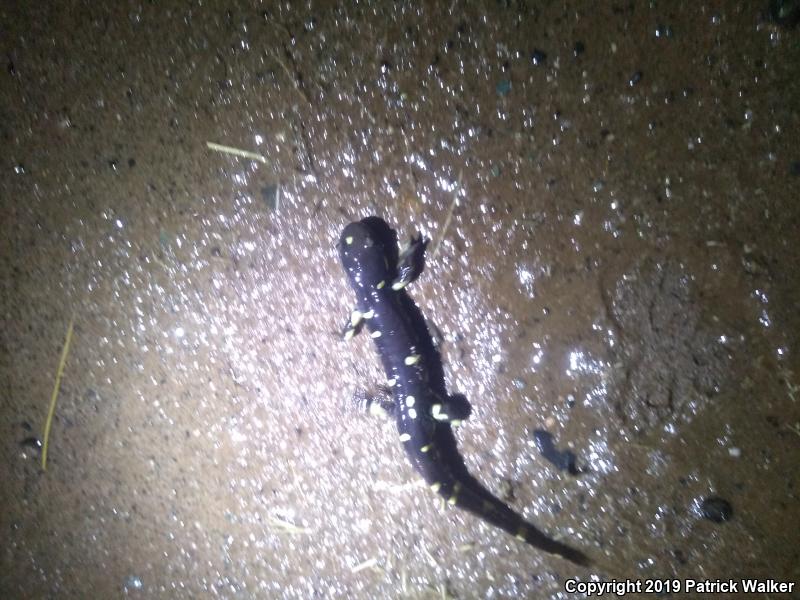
x: 366, y: 254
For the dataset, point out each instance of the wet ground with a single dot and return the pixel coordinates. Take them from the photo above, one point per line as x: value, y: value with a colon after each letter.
x: 619, y: 269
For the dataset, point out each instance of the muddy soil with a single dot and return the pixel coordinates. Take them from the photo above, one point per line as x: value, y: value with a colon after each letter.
x: 611, y: 194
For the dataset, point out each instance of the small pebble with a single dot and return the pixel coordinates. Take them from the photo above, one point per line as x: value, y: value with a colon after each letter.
x: 564, y: 460
x: 31, y: 442
x: 31, y: 447
x: 503, y: 87
x: 716, y: 509
x: 270, y: 195
x: 735, y: 452
x: 132, y: 582
x: 785, y: 12
x: 663, y: 31
x: 538, y: 57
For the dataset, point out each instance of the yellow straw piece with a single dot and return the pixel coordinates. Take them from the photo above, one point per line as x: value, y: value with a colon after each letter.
x: 236, y: 152
x: 288, y: 527
x: 367, y: 564
x: 52, y: 410
x: 449, y: 214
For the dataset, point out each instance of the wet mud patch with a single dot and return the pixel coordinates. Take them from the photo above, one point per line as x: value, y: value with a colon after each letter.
x: 669, y: 361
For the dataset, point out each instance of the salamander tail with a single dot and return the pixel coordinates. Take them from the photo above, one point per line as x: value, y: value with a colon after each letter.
x: 495, y: 511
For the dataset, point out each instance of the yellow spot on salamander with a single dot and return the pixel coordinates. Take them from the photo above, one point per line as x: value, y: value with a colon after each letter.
x: 410, y: 400
x: 456, y: 422
x: 454, y: 496
x: 355, y: 317
x: 399, y: 285
x: 348, y: 240
x: 412, y: 359
x: 436, y: 487
x: 348, y: 335
x: 405, y: 437
x: 412, y: 413
x: 426, y: 448
x: 375, y: 334
x: 436, y: 413
x: 391, y: 382
x: 381, y: 284
x: 521, y: 534
x: 369, y: 314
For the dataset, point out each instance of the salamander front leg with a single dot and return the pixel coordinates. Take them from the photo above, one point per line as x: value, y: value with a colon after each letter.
x: 453, y: 409
x: 355, y: 322
x: 410, y: 263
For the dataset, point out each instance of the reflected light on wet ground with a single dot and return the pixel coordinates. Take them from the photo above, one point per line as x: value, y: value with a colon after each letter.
x: 613, y: 261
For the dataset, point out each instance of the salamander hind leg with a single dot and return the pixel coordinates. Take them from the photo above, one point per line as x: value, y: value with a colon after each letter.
x: 454, y: 409
x: 377, y: 404
x: 411, y: 263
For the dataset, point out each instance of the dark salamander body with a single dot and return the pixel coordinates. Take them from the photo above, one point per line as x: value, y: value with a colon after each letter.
x: 422, y: 407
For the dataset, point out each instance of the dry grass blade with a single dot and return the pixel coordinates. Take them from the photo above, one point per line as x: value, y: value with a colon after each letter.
x: 236, y: 152
x: 367, y: 564
x: 288, y: 527
x: 48, y: 423
x: 449, y: 217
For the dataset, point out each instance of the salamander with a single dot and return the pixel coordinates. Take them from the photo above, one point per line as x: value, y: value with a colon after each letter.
x: 424, y: 411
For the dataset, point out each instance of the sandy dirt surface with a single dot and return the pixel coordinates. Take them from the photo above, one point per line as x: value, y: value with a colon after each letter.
x: 620, y: 269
